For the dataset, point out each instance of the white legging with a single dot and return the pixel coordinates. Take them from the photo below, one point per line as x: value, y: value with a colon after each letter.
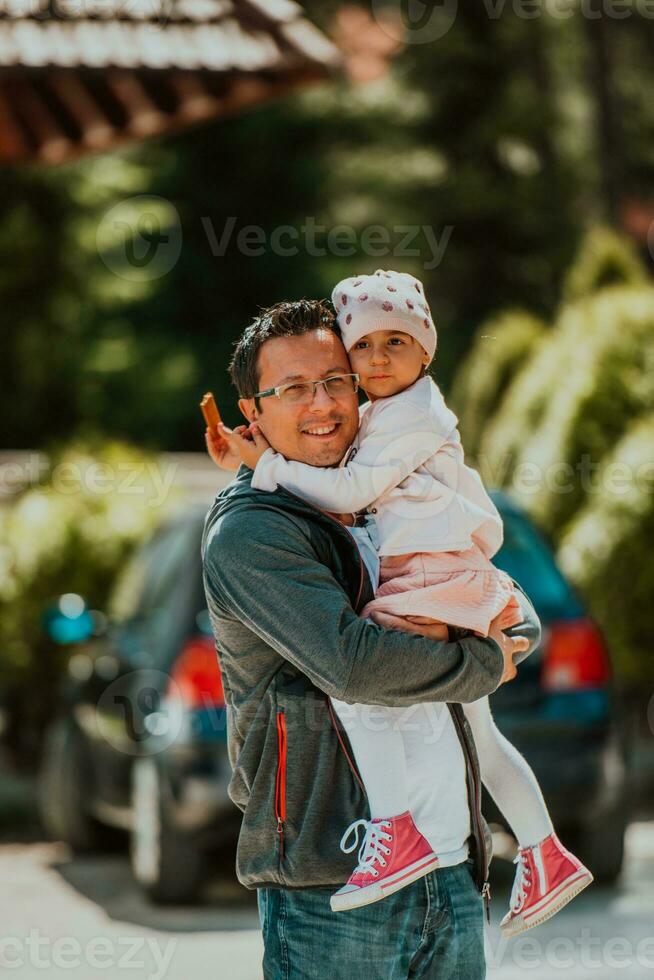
x: 379, y: 752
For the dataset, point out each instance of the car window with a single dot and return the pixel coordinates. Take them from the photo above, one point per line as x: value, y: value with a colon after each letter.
x: 167, y: 562
x: 150, y: 575
x: 526, y: 557
x: 127, y: 592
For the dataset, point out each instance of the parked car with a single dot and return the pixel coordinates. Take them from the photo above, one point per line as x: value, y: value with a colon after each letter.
x: 139, y: 741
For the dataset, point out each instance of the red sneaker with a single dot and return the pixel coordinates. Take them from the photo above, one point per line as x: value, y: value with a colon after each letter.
x: 547, y: 878
x: 393, y: 854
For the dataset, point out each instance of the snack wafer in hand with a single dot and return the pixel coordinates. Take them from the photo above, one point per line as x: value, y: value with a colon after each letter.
x: 211, y: 413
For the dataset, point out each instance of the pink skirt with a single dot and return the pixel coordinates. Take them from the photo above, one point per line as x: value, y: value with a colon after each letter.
x: 460, y: 588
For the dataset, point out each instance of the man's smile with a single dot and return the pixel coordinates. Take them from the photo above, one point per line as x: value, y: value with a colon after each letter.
x: 322, y: 431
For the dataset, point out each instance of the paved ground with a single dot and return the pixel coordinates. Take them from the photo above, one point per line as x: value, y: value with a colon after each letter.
x: 64, y: 918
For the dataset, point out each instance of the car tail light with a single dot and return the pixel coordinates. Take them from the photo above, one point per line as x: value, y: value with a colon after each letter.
x: 195, y: 676
x: 574, y: 657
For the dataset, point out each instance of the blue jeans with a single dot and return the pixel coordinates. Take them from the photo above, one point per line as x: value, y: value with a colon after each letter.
x: 431, y: 928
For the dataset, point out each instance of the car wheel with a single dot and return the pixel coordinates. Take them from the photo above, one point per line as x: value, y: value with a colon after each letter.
x: 600, y: 845
x: 64, y: 790
x: 168, y: 866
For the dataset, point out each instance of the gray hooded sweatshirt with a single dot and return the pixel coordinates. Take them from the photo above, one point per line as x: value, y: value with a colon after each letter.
x: 284, y: 582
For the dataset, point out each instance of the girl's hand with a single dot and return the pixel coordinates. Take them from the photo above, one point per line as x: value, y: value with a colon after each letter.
x: 220, y: 450
x: 431, y: 628
x: 248, y: 446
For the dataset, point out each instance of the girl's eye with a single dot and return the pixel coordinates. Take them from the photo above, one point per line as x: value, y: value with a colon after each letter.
x: 396, y: 340
x: 361, y: 345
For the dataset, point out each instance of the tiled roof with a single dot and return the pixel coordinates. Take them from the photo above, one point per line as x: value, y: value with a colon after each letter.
x: 77, y: 75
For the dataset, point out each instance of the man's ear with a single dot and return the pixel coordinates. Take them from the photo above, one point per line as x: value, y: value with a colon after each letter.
x: 248, y: 408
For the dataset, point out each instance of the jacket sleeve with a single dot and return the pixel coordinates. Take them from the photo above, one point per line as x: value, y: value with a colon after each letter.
x: 398, y: 439
x: 260, y: 568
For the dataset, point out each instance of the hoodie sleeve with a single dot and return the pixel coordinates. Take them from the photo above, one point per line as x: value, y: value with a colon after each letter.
x: 260, y: 569
x: 398, y: 438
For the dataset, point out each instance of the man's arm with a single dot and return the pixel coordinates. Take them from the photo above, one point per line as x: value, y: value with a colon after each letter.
x: 261, y: 568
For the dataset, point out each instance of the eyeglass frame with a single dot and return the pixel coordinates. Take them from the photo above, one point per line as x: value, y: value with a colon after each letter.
x: 321, y: 381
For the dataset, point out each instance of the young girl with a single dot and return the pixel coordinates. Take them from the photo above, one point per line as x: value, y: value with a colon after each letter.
x: 435, y: 529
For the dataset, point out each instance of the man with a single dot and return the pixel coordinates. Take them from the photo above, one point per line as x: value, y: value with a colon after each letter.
x: 284, y: 582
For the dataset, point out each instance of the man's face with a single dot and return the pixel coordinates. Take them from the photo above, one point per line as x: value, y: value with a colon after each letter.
x: 292, y: 429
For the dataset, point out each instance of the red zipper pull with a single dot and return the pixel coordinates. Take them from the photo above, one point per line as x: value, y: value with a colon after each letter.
x: 280, y: 831
x: 486, y: 895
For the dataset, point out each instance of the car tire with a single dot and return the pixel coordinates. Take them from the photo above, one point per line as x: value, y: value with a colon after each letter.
x: 600, y: 845
x: 169, y: 868
x: 65, y: 789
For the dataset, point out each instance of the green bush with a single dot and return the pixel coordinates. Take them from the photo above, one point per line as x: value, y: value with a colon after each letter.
x: 579, y: 410
x: 500, y: 348
x: 604, y: 259
x: 575, y: 398
x: 69, y: 533
x: 607, y: 552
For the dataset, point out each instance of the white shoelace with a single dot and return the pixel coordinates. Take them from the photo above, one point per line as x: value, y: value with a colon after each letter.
x: 372, y: 848
x: 523, y: 878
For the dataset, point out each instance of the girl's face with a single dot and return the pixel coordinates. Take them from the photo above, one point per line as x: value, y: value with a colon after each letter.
x: 387, y: 361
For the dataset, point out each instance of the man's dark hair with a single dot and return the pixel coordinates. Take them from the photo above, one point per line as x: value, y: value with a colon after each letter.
x: 281, y: 320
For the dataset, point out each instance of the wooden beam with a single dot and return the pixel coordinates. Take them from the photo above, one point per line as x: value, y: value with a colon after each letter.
x: 96, y: 131
x: 51, y: 144
x: 144, y: 117
x: 13, y: 145
x: 195, y: 101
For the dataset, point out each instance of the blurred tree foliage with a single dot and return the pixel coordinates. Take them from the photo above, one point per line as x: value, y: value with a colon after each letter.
x: 484, y: 377
x: 573, y: 439
x: 606, y: 550
x: 501, y: 137
x: 69, y: 532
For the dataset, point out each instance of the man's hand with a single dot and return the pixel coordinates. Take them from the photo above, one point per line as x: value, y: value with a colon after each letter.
x: 248, y: 446
x: 433, y: 629
x: 509, y: 646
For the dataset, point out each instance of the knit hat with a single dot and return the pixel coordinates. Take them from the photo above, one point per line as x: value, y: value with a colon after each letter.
x: 383, y: 301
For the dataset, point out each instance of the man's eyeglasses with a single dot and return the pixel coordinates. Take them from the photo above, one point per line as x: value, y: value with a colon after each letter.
x: 303, y: 392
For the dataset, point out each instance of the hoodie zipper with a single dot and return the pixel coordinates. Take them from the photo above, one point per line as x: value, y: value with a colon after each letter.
x: 355, y: 773
x: 476, y: 812
x: 280, y: 780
